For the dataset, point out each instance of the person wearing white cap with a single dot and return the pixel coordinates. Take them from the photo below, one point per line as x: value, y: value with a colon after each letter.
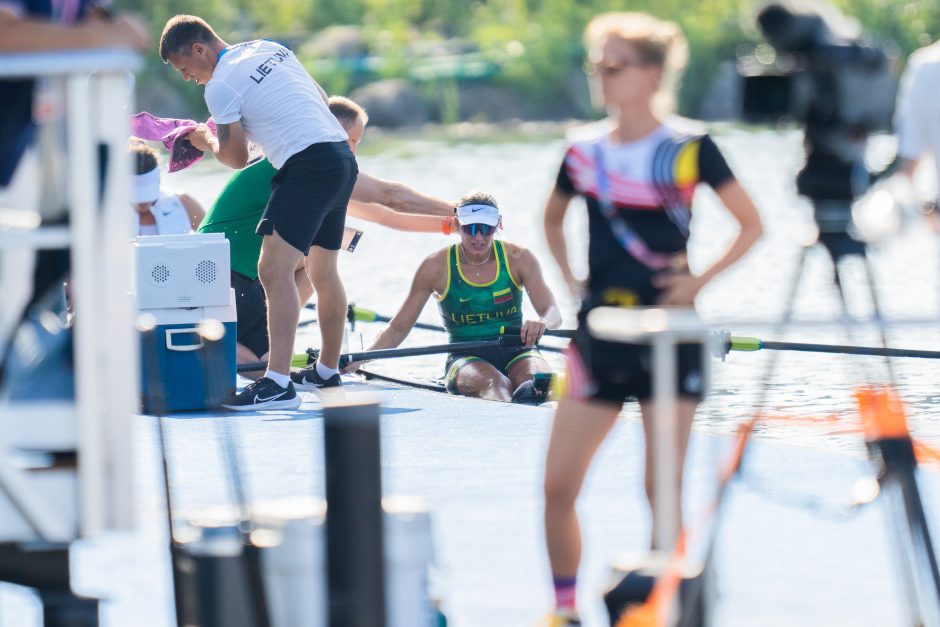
x: 159, y: 212
x: 478, y: 284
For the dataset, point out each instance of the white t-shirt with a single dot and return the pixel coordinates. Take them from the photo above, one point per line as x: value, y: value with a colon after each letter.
x: 918, y: 110
x: 263, y: 84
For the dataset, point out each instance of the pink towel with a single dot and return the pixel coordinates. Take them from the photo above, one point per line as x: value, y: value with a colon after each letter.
x: 172, y: 133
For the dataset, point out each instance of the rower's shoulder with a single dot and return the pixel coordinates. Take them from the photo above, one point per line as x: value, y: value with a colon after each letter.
x: 519, y: 256
x: 514, y: 251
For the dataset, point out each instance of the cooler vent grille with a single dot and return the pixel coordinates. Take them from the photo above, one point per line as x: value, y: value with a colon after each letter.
x: 205, y: 271
x: 160, y: 274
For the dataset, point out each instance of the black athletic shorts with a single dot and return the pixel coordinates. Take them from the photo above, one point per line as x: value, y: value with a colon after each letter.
x: 252, y: 313
x: 611, y: 372
x: 309, y: 194
x: 502, y: 357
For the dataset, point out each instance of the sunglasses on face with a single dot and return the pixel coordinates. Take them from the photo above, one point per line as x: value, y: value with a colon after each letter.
x: 473, y: 229
x: 609, y: 69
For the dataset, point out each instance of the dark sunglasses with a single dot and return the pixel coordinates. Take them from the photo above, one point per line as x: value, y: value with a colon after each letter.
x: 610, y: 69
x: 473, y: 229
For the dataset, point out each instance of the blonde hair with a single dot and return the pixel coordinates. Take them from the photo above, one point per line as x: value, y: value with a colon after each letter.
x: 347, y: 111
x: 658, y: 43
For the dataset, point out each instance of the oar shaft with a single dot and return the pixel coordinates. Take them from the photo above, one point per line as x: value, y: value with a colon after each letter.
x: 851, y: 350
x: 300, y: 360
x: 453, y: 347
x: 753, y: 344
x: 361, y: 314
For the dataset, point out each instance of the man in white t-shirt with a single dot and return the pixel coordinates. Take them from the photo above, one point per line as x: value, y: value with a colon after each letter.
x: 918, y: 110
x: 259, y: 91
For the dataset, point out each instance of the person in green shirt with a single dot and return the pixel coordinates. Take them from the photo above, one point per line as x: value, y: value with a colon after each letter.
x: 238, y: 209
x: 478, y: 284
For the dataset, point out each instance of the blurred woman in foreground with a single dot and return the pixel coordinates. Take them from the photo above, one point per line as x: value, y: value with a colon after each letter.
x: 637, y: 171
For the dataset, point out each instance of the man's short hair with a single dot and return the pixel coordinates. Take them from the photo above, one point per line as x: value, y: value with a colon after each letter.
x: 477, y: 197
x: 144, y: 157
x: 181, y: 32
x: 347, y: 111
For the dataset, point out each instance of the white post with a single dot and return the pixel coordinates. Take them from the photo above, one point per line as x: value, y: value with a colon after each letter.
x: 665, y: 443
x: 105, y: 355
x: 117, y: 324
x: 87, y: 288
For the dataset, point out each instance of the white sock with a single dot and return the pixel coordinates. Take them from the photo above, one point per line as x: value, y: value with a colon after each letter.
x: 325, y: 372
x: 281, y: 379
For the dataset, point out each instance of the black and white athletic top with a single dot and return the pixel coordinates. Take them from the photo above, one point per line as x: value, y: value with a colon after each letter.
x: 639, y: 198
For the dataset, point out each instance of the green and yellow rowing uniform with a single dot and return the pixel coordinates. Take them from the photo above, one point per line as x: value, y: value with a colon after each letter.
x: 477, y: 311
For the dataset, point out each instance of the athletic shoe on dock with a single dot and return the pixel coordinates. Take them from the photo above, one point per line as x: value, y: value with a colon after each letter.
x: 263, y: 394
x: 528, y: 393
x: 309, y: 379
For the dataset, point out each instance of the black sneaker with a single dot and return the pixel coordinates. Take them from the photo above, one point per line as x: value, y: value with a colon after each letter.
x: 310, y: 379
x: 263, y: 394
x: 528, y: 393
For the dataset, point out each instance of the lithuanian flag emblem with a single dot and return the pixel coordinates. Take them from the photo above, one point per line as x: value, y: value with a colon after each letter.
x: 502, y: 296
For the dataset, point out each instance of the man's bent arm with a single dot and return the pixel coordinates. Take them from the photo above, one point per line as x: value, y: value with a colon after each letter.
x: 232, y: 146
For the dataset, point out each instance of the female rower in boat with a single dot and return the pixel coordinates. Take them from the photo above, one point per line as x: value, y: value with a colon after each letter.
x: 478, y: 284
x: 637, y: 172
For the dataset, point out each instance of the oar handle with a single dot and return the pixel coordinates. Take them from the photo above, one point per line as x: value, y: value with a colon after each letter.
x: 510, y: 331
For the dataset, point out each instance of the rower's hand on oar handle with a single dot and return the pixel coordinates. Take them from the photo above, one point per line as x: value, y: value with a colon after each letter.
x: 532, y: 331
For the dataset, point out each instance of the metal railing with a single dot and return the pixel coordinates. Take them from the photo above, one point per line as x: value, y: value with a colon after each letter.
x: 95, y: 96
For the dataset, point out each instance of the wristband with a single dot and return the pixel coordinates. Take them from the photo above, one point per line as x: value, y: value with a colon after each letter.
x: 447, y: 226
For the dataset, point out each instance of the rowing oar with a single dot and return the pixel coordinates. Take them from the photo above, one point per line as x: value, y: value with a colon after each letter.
x: 356, y: 314
x: 303, y: 359
x: 361, y: 314
x: 750, y: 344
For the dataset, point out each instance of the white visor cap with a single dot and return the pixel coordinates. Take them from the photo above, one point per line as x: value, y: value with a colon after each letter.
x: 478, y: 214
x: 146, y: 187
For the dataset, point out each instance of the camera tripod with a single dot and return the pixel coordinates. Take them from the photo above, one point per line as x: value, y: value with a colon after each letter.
x: 892, y: 454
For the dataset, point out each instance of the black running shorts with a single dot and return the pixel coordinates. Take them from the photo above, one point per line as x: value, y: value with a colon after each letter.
x: 252, y: 313
x: 610, y: 372
x: 309, y: 194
